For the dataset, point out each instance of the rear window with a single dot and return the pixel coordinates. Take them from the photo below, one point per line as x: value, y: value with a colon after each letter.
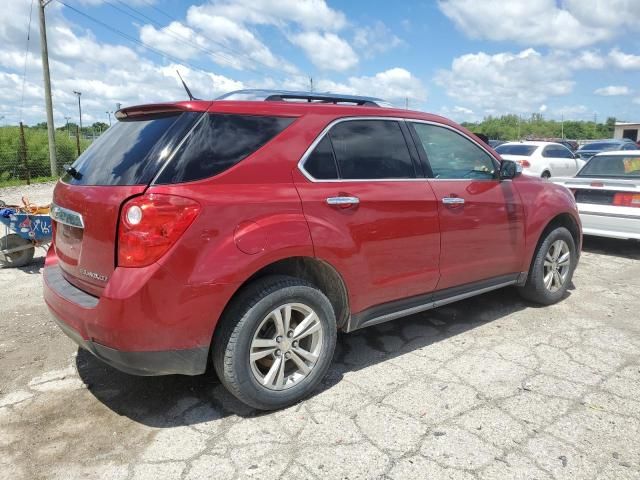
x: 131, y: 151
x: 522, y: 150
x: 612, y: 166
x: 218, y: 142
x: 600, y: 146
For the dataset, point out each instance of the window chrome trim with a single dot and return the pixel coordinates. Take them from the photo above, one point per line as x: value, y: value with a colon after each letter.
x: 326, y: 130
x: 66, y: 216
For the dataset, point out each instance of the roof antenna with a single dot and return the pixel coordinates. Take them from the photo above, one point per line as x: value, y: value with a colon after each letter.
x: 191, y: 97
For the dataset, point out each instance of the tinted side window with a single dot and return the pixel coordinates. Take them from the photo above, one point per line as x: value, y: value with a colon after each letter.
x: 371, y: 149
x: 451, y: 155
x: 554, y: 151
x: 218, y: 142
x: 321, y: 164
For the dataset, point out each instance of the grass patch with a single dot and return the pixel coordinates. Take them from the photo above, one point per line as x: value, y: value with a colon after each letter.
x: 17, y: 182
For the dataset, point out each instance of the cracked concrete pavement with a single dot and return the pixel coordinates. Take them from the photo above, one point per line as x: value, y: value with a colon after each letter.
x: 488, y: 388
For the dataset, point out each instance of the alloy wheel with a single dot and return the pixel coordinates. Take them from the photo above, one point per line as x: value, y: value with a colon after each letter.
x: 286, y: 346
x: 557, y: 264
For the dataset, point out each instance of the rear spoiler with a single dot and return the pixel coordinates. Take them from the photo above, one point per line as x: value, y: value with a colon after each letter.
x: 161, y: 109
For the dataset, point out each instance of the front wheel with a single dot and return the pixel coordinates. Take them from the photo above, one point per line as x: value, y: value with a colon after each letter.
x: 552, y: 268
x: 275, y: 342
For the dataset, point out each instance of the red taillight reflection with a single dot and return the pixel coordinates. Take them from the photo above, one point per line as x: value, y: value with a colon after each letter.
x: 164, y: 219
x: 524, y: 163
x: 624, y: 199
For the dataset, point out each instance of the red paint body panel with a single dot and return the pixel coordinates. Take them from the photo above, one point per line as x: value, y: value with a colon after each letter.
x: 399, y: 242
x: 484, y: 237
x: 386, y: 248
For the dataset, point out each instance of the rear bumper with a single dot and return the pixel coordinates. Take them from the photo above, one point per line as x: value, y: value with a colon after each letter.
x: 602, y: 222
x: 152, y: 326
x: 185, y: 362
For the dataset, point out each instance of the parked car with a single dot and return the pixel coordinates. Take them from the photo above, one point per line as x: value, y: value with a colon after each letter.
x: 607, y: 190
x: 246, y: 234
x: 570, y: 144
x: 541, y: 159
x: 496, y: 143
x: 585, y: 152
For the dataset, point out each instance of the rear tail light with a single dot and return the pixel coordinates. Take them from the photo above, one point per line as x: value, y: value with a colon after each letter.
x: 524, y: 163
x: 627, y: 199
x: 150, y: 225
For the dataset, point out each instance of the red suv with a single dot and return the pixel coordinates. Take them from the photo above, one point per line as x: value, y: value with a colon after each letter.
x: 246, y: 231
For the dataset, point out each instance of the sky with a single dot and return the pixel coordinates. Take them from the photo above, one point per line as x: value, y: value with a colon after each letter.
x: 464, y: 59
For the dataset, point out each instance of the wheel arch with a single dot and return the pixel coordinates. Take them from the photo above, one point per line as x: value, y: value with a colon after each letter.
x: 561, y: 220
x: 316, y: 271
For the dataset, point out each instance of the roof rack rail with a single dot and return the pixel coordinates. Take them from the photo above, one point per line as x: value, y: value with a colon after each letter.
x: 310, y: 97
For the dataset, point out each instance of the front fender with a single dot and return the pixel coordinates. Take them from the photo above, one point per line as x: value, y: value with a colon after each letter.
x: 543, y: 203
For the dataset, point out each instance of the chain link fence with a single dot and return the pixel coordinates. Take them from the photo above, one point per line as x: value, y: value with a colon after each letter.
x: 24, y: 157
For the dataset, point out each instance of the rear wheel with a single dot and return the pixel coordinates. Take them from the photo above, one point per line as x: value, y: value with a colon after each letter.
x: 552, y: 268
x: 21, y: 257
x: 275, y: 342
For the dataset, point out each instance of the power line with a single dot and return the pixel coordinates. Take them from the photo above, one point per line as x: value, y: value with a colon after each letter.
x: 26, y: 56
x: 184, y: 39
x: 142, y: 18
x: 133, y: 39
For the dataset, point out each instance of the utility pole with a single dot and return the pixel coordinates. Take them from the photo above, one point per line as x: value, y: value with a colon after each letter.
x: 311, y: 84
x: 67, y: 119
x: 406, y: 103
x: 562, y: 127
x: 79, y: 107
x: 109, y: 115
x: 47, y: 88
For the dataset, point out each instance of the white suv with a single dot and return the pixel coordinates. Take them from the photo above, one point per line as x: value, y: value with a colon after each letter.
x: 542, y: 159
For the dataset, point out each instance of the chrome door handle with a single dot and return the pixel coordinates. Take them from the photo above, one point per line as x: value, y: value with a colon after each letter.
x: 453, y: 201
x: 343, y: 201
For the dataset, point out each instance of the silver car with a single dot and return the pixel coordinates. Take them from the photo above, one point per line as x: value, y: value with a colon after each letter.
x: 607, y: 190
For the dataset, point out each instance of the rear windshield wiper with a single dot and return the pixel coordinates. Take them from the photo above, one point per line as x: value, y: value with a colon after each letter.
x: 72, y: 171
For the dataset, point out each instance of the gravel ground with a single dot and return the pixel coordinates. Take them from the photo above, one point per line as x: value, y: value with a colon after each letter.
x: 488, y: 388
x: 39, y: 193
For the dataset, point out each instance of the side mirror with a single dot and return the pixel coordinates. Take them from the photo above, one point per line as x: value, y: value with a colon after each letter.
x: 509, y: 170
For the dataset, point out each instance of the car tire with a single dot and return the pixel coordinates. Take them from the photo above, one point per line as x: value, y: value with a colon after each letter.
x: 19, y: 258
x: 549, y: 275
x: 250, y: 343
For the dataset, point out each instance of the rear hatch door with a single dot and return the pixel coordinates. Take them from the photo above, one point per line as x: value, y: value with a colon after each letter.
x: 87, y: 201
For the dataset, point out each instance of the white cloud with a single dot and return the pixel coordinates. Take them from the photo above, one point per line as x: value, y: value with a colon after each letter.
x: 505, y: 82
x: 623, y: 60
x: 326, y: 50
x: 571, y: 111
x: 613, y: 90
x: 176, y: 39
x: 374, y: 39
x: 588, y: 59
x: 569, y: 24
x: 106, y: 74
x: 233, y: 43
x: 309, y: 14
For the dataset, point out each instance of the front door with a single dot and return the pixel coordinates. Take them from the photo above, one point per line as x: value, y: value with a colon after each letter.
x: 369, y: 213
x: 481, y: 217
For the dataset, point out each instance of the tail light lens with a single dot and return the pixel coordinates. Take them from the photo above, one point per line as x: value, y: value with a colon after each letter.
x: 627, y: 199
x: 524, y: 163
x: 150, y: 225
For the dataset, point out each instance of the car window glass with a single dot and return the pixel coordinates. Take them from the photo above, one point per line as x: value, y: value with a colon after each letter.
x: 371, y: 149
x: 321, y: 164
x: 219, y: 142
x: 451, y: 155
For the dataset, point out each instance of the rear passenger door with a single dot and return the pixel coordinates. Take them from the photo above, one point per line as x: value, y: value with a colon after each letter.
x: 481, y: 217
x: 561, y: 160
x: 370, y: 213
